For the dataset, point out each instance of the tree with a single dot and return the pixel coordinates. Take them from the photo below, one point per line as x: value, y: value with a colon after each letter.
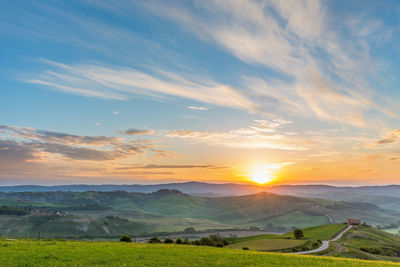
x: 205, y: 241
x: 298, y: 233
x: 168, y: 241
x: 126, y: 238
x: 179, y: 241
x: 154, y: 240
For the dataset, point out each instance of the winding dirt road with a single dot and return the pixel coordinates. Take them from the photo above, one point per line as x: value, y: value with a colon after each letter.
x: 325, y: 243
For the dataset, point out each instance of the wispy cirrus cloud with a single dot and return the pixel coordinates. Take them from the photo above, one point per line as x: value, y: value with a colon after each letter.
x: 327, y: 74
x: 262, y: 134
x: 197, y: 108
x: 317, y: 72
x: 122, y: 83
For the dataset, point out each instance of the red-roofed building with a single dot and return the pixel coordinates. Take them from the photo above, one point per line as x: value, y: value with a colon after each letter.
x: 353, y: 222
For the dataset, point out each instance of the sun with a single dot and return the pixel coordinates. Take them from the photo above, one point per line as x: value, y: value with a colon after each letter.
x: 261, y: 177
x: 265, y: 173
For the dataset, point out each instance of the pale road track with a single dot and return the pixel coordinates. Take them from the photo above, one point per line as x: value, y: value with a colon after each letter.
x: 325, y: 243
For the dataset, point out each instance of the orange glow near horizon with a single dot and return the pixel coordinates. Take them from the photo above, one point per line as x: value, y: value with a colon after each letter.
x: 266, y: 173
x: 261, y: 177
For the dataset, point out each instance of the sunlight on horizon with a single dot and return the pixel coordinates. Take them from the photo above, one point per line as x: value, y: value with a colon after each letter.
x: 265, y: 173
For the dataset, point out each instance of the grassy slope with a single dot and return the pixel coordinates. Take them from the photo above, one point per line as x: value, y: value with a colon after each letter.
x: 268, y: 244
x: 69, y: 253
x: 279, y: 242
x: 322, y: 232
x: 370, y: 239
x: 67, y: 226
x: 302, y: 220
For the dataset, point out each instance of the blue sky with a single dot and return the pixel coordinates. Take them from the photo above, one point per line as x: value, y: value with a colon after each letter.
x: 306, y: 91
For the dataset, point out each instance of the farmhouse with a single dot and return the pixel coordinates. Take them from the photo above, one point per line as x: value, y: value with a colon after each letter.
x: 353, y: 222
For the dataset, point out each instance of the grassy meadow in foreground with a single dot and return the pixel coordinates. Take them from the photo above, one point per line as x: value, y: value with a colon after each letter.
x: 268, y: 244
x: 75, y: 253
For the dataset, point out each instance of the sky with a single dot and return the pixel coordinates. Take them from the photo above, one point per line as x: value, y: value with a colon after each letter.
x: 144, y: 92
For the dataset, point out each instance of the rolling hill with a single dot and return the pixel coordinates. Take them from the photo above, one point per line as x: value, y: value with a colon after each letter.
x: 87, y: 214
x: 365, y: 242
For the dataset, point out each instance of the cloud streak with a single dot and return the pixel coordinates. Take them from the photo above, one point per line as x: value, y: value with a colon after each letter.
x: 93, y: 148
x: 133, y: 131
x: 197, y: 108
x: 393, y: 137
x: 155, y: 166
x: 122, y: 83
x: 262, y: 134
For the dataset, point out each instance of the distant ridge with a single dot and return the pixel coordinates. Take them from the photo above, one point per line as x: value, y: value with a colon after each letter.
x: 211, y: 189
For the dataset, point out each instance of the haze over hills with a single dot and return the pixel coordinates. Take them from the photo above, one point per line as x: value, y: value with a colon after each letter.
x: 381, y: 195
x: 216, y: 188
x: 386, y: 197
x: 95, y: 213
x: 187, y: 187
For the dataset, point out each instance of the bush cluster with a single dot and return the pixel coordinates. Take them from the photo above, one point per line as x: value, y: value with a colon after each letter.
x: 212, y: 240
x: 379, y: 251
x: 126, y: 238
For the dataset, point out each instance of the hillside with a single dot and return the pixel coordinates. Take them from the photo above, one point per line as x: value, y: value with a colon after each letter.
x: 287, y: 242
x: 171, y: 210
x: 85, y: 213
x: 73, y: 253
x: 387, y: 197
x: 365, y: 242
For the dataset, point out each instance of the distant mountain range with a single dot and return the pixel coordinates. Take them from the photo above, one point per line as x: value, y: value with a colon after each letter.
x: 211, y: 189
x: 188, y: 188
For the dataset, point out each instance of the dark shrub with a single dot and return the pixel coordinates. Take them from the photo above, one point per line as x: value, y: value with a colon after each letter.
x: 205, y: 241
x: 215, y: 238
x: 245, y: 248
x: 179, y: 241
x: 168, y: 241
x: 154, y: 240
x: 126, y: 238
x: 298, y: 233
x: 219, y: 244
x: 186, y: 241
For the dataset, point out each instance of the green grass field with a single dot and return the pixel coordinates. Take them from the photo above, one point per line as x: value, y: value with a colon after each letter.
x: 365, y: 242
x: 75, y: 253
x: 322, y: 232
x: 268, y: 244
x: 301, y: 219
